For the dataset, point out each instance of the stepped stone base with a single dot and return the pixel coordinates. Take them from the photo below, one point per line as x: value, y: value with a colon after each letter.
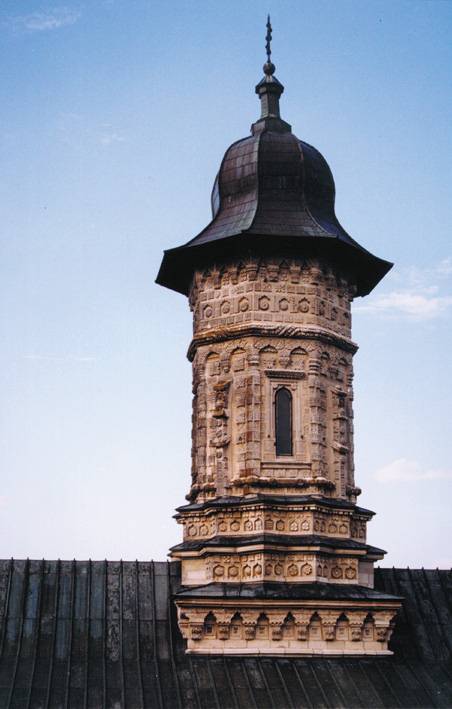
x: 315, y: 619
x: 295, y: 539
x: 280, y: 576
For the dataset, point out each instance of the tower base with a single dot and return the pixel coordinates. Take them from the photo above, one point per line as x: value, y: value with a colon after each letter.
x: 286, y: 619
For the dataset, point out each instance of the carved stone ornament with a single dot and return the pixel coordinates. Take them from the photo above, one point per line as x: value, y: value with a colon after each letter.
x: 258, y: 516
x: 288, y: 630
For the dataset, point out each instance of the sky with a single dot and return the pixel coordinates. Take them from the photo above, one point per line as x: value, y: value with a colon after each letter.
x: 115, y: 117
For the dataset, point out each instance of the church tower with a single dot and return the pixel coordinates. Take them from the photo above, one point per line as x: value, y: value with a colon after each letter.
x: 274, y: 554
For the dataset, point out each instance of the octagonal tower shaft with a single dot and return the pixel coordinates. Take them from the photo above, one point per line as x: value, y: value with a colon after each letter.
x: 263, y: 326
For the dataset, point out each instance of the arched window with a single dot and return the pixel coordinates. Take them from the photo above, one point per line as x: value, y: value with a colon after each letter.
x: 283, y: 421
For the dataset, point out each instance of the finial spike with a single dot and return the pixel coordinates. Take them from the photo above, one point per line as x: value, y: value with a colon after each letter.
x: 269, y: 68
x: 268, y: 38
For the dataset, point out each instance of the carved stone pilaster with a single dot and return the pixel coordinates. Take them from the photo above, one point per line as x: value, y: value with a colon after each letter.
x: 317, y: 417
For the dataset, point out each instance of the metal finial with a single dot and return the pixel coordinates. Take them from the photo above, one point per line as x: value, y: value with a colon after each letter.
x: 269, y: 68
x: 268, y: 37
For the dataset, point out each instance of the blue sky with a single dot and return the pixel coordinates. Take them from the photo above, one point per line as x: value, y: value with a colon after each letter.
x: 115, y: 116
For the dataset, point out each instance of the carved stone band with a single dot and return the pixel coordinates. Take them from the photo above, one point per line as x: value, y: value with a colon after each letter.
x: 234, y: 333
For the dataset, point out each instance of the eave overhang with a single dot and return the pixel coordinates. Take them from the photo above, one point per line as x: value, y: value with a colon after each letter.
x: 309, y: 501
x: 276, y: 542
x: 179, y: 264
x: 281, y: 591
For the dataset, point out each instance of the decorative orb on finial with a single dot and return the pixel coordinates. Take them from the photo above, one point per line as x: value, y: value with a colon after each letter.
x: 269, y: 68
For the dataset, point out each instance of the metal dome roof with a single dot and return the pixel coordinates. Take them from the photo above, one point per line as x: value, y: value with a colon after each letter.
x: 273, y: 183
x: 273, y: 193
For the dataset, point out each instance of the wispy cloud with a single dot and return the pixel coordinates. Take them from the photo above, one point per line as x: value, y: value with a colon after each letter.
x: 57, y: 358
x: 414, y: 275
x: 419, y: 293
x: 109, y: 135
x: 404, y: 470
x: 444, y: 268
x: 45, y: 20
x: 76, y: 131
x: 422, y: 306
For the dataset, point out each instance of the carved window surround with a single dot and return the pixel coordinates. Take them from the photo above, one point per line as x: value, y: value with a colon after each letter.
x: 274, y: 380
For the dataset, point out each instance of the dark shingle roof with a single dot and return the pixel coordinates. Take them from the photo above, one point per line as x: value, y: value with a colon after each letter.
x: 104, y: 634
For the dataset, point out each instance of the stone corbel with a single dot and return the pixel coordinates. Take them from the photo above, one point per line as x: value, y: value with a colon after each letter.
x: 223, y: 619
x: 272, y: 271
x: 190, y: 616
x: 276, y: 625
x: 295, y: 273
x: 223, y: 630
x: 329, y: 626
x: 250, y: 625
x: 329, y: 630
x: 356, y: 632
x: 196, y: 631
x: 250, y: 631
x: 381, y: 633
x: 302, y: 621
x: 302, y: 631
x: 383, y: 626
x: 216, y: 279
x: 252, y: 268
x: 184, y: 626
x: 223, y: 616
x: 356, y: 625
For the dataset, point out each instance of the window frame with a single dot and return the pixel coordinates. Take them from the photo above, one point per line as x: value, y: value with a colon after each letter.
x: 282, y: 437
x: 294, y: 381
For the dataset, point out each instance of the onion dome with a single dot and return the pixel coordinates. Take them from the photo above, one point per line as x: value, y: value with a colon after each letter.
x: 274, y: 193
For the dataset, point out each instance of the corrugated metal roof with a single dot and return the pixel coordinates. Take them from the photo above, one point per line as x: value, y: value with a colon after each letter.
x: 104, y: 634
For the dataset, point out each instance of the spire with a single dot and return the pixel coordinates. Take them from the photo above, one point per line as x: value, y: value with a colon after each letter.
x: 268, y: 48
x: 269, y: 89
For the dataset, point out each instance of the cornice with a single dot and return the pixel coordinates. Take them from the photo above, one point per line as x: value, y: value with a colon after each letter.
x: 279, y: 592
x: 293, y: 502
x: 289, y: 331
x: 280, y: 542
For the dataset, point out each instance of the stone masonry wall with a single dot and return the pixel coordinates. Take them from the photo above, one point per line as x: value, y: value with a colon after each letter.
x: 259, y: 326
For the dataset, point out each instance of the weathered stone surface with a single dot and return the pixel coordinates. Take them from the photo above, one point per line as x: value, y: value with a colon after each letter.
x: 259, y: 326
x: 306, y: 350
x: 270, y: 628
